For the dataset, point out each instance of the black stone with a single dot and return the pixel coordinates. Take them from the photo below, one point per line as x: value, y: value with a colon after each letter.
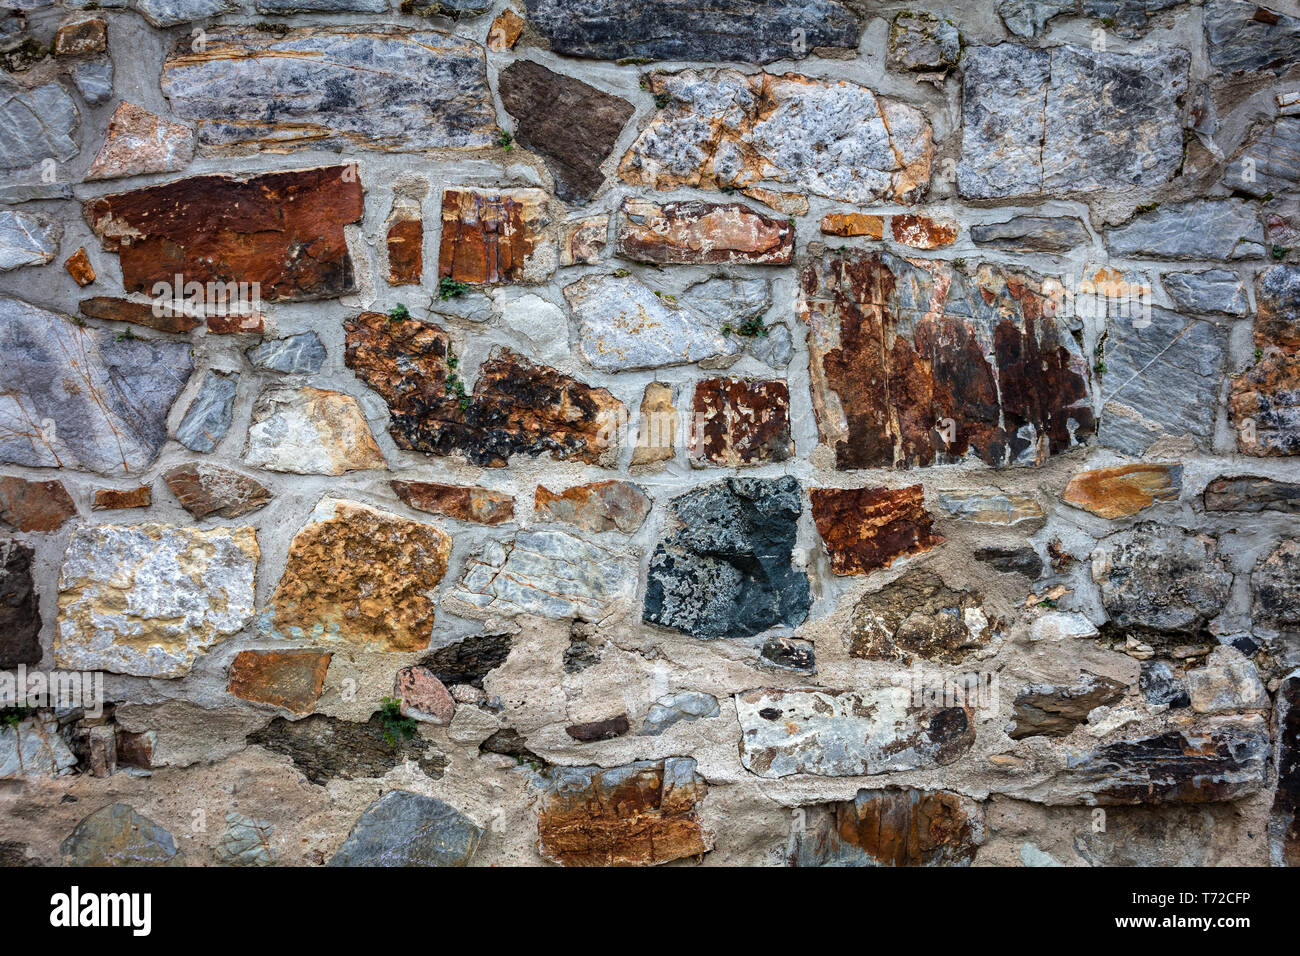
x: 1159, y: 685
x: 511, y: 743
x: 20, y: 610
x: 468, y: 661
x: 1012, y: 561
x: 326, y: 748
x: 790, y: 653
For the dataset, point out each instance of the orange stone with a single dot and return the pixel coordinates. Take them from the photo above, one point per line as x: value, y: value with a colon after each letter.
x: 600, y: 506
x: 505, y: 30
x: 1125, y: 490
x: 491, y: 237
x: 853, y: 224
x: 462, y: 502
x: 164, y: 316
x: 79, y: 267
x: 110, y: 499
x: 701, y: 233
x: 405, y: 252
x: 922, y: 232
x: 81, y: 36
x: 34, y: 505
x: 865, y: 529
x: 289, y: 679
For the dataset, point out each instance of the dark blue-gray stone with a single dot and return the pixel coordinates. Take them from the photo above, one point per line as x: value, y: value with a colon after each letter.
x: 743, y: 31
x: 1201, y: 229
x: 302, y: 354
x: 94, y: 80
x: 1239, y: 43
x: 1215, y: 290
x: 1269, y: 162
x: 208, y: 418
x: 36, y: 124
x: 407, y: 829
x: 118, y: 836
x: 1159, y: 686
x: 727, y: 571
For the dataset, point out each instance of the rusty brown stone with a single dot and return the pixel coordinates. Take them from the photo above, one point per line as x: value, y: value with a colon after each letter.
x: 166, y: 317
x: 638, y: 814
x: 89, y: 35
x: 701, y: 233
x: 922, y: 232
x: 362, y: 576
x: 1047, y: 710
x: 34, y: 505
x: 741, y: 422
x: 1263, y: 404
x: 492, y: 237
x: 595, y: 730
x: 915, y: 364
x: 79, y: 267
x: 657, y: 436
x: 891, y: 828
x: 600, y: 506
x: 405, y: 252
x: 868, y: 528
x: 850, y: 224
x: 1125, y: 490
x: 462, y: 502
x: 111, y: 499
x: 207, y: 489
x: 583, y: 240
x: 505, y: 30
x: 516, y: 407
x: 282, y: 230
x: 289, y: 679
x: 917, y: 616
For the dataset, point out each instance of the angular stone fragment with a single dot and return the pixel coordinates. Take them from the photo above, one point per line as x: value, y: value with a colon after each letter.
x: 1123, y: 491
x: 1162, y: 579
x: 1275, y: 586
x: 672, y: 709
x: 493, y: 237
x: 549, y: 573
x: 245, y: 842
x: 462, y: 502
x: 1265, y: 399
x: 423, y: 696
x: 516, y: 407
x: 891, y: 828
x: 405, y: 252
x: 918, y: 617
x: 583, y: 240
x: 34, y: 505
x: 638, y: 814
x: 1031, y: 124
x: 361, y: 576
x: 656, y: 439
x: 159, y: 315
x: 82, y: 36
x: 33, y: 747
x: 1032, y: 234
x: 208, y: 418
x: 1228, y: 682
x: 727, y: 570
x: 1220, y: 229
x: 1215, y: 290
x: 1268, y: 162
x: 301, y: 354
x: 923, y: 232
x: 79, y: 267
x: 505, y: 31
x: 1161, y: 379
x: 118, y: 836
x: 139, y: 142
x: 740, y: 422
x: 724, y: 129
x: 921, y: 42
x: 1195, y: 766
x: 1284, y: 817
x: 205, y: 489
x: 622, y: 324
x: 728, y: 30
x: 1249, y: 493
x: 865, y: 529
x: 27, y: 240
x: 600, y: 506
x: 572, y: 125
x: 283, y: 231
x: 407, y: 829
x: 382, y: 88
x: 169, y: 13
x: 850, y: 224
x: 310, y: 431
x: 991, y: 507
x: 847, y: 733
x: 700, y: 233
x: 1023, y: 560
x: 1160, y: 687
x: 326, y: 748
x: 149, y: 599
x: 1048, y: 710
x: 20, y: 607
x: 39, y: 124
x: 916, y: 364
x: 80, y: 398
x: 1241, y: 40
x: 112, y: 499
x: 289, y: 679
x: 469, y: 661
x: 596, y: 730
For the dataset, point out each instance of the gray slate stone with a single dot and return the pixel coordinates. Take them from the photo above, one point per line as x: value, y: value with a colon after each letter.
x: 1068, y: 119
x: 36, y: 124
x: 26, y: 192
x: 744, y: 31
x: 1200, y: 229
x: 1269, y: 162
x: 920, y: 42
x: 1161, y: 379
x: 115, y: 417
x: 169, y: 13
x: 245, y: 842
x: 27, y: 240
x: 1215, y: 290
x: 118, y: 836
x: 94, y: 80
x: 299, y: 354
x: 1032, y: 234
x: 320, y: 6
x: 1238, y: 43
x: 674, y: 708
x: 1026, y: 18
x: 406, y: 829
x: 208, y: 418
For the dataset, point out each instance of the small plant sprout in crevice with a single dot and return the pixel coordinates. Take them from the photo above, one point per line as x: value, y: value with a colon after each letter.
x: 455, y: 385
x: 449, y: 288
x: 396, y: 727
x: 399, y: 313
x: 750, y: 329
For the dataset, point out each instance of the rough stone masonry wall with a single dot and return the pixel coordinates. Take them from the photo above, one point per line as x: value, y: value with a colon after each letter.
x: 650, y: 413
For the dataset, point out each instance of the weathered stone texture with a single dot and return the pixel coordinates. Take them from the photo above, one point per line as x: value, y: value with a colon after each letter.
x: 20, y: 608
x: 149, y: 599
x: 1160, y: 579
x: 1265, y: 398
x: 34, y: 505
x: 326, y: 748
x: 918, y: 617
x: 27, y: 240
x: 1123, y: 491
x: 118, y: 836
x: 462, y: 502
x: 407, y: 829
x: 310, y: 431
x: 1220, y: 229
x: 739, y: 422
x: 700, y: 233
x: 1252, y: 494
x: 638, y: 814
x: 600, y: 506
x: 898, y: 348
x: 991, y: 507
x: 1239, y: 41
x: 39, y: 123
x: 1031, y: 234
x: 288, y: 679
x: 869, y: 528
x: 1284, y: 818
x: 492, y: 237
x: 359, y: 575
x: 114, y: 499
x: 139, y: 142
x: 405, y: 244
x: 892, y: 828
x: 206, y: 489
x: 1048, y: 710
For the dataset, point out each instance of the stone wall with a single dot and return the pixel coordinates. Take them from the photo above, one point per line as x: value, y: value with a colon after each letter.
x: 801, y: 432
